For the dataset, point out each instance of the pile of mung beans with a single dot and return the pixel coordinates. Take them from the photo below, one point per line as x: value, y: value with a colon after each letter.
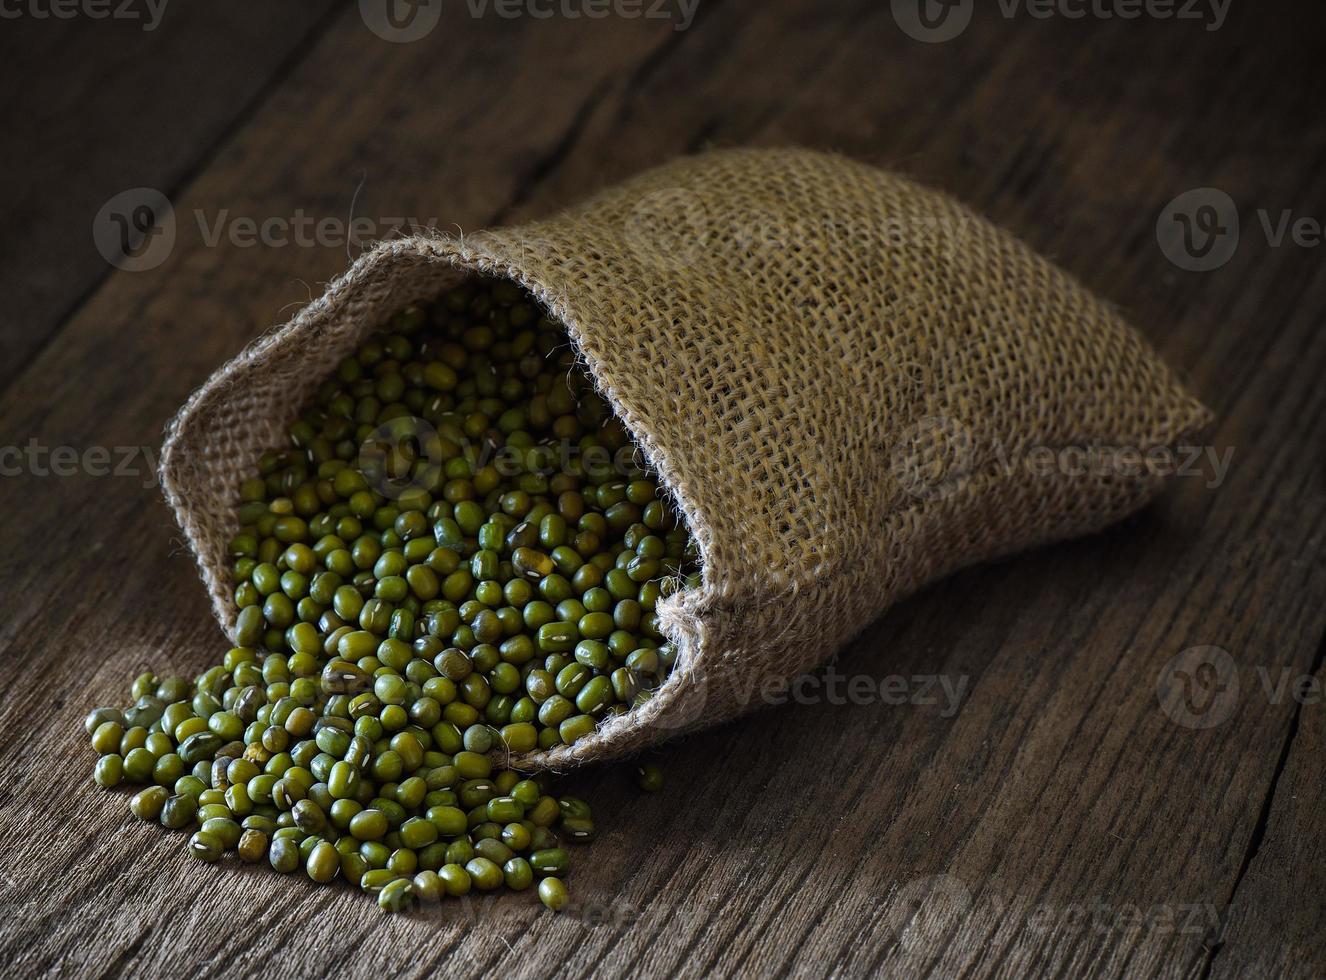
x: 457, y: 559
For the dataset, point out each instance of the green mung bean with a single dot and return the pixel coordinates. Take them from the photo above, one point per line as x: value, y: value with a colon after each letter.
x: 485, y: 874
x: 649, y: 778
x: 284, y: 855
x: 397, y: 895
x: 109, y: 770
x: 99, y: 716
x: 434, y: 574
x: 206, y: 847
x: 147, y: 804
x: 323, y: 862
x: 428, y: 887
x: 252, y: 846
x: 178, y: 812
x: 552, y: 893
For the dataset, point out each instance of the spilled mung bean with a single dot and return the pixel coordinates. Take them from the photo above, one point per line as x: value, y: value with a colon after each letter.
x: 457, y: 558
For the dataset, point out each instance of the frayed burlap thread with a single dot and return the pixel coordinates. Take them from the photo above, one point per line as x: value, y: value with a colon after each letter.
x: 850, y: 384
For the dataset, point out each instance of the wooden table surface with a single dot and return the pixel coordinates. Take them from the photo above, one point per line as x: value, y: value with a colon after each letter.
x: 1059, y: 819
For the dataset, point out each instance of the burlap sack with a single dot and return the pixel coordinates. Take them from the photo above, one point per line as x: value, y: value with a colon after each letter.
x: 851, y: 385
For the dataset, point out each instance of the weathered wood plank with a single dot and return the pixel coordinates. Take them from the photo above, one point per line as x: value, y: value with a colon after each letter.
x: 100, y: 105
x: 1015, y: 835
x: 1275, y: 916
x: 476, y: 124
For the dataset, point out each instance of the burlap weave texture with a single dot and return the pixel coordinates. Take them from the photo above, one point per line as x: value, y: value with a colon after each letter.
x: 850, y: 384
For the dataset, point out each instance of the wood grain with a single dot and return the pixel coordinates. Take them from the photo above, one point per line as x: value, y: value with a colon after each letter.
x: 1058, y: 822
x: 101, y: 105
x: 1276, y: 914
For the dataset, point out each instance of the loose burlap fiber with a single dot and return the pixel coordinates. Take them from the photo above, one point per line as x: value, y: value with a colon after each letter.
x: 850, y: 384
